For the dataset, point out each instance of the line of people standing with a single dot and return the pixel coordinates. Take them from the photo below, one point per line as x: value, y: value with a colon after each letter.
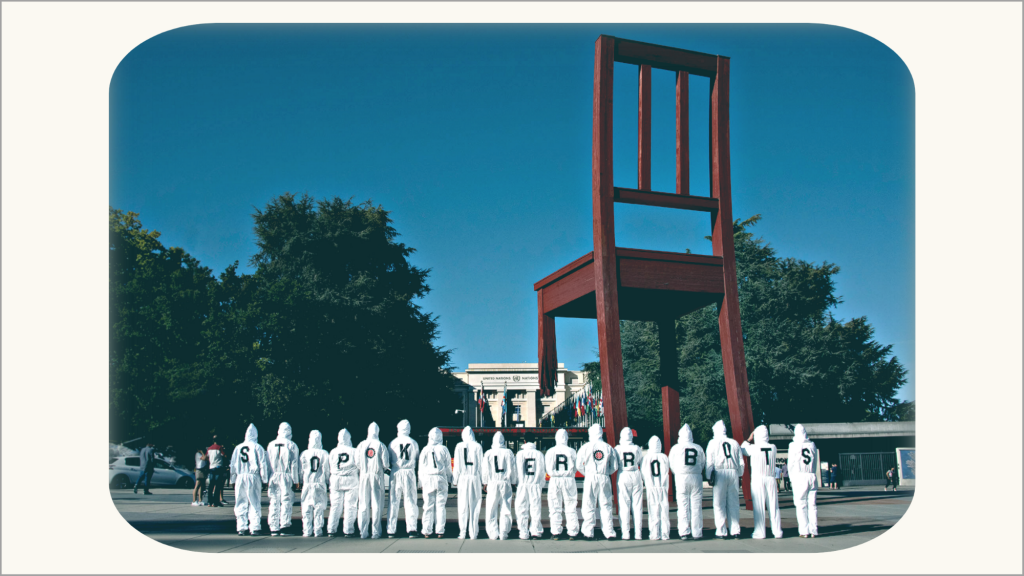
x: 353, y: 480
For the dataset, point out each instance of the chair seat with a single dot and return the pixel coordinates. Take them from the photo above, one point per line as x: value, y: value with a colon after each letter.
x: 652, y: 285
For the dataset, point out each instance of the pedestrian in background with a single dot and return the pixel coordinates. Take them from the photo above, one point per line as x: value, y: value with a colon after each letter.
x: 835, y: 476
x: 826, y: 477
x: 785, y: 476
x: 895, y: 478
x: 218, y: 465
x: 147, y: 461
x: 202, y: 468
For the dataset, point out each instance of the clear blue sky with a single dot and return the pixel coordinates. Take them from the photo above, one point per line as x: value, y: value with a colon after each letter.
x: 478, y: 140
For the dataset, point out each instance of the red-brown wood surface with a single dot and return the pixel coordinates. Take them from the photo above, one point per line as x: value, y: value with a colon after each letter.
x: 639, y: 254
x: 565, y: 270
x: 683, y: 133
x: 605, y: 273
x: 665, y: 58
x: 669, y: 372
x: 666, y: 200
x: 547, y: 364
x: 729, y: 327
x: 569, y: 288
x: 643, y: 177
x: 672, y: 276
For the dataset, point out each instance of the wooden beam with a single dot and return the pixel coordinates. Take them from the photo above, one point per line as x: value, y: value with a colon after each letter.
x: 638, y: 254
x: 547, y: 355
x: 569, y: 288
x: 669, y: 373
x: 643, y: 178
x: 565, y: 270
x: 729, y: 326
x: 665, y: 58
x: 605, y: 269
x: 683, y: 133
x: 670, y: 276
x: 666, y: 200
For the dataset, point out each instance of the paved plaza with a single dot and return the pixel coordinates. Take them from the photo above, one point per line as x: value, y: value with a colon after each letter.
x: 846, y: 518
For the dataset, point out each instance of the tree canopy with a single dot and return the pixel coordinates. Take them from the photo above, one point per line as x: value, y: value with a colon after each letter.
x: 325, y: 333
x: 803, y: 364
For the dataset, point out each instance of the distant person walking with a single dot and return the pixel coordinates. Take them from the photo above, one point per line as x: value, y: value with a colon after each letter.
x: 836, y: 477
x: 895, y: 474
x: 202, y: 470
x: 785, y: 476
x: 147, y: 461
x: 826, y: 477
x: 218, y: 469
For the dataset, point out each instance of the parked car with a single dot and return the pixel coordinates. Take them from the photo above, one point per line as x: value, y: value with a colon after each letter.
x: 124, y: 472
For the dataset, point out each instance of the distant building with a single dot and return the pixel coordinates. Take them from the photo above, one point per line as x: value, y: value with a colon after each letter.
x: 526, y: 407
x: 863, y: 450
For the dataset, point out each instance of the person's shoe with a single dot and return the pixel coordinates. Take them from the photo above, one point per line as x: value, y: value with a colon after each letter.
x: 685, y: 537
x: 814, y: 535
x: 147, y: 492
x: 556, y: 536
x: 241, y: 533
x: 440, y: 534
x: 305, y: 535
x: 274, y: 533
x: 413, y: 535
x: 803, y: 535
x: 717, y: 537
x: 331, y: 534
x: 202, y: 503
x: 462, y: 535
x: 195, y: 503
x: 612, y: 537
x: 256, y: 533
x: 136, y: 490
x: 390, y: 535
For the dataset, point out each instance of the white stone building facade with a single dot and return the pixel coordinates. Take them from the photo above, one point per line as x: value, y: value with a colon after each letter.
x: 526, y: 407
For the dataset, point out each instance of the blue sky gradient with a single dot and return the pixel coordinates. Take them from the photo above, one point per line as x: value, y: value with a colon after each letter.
x: 477, y: 138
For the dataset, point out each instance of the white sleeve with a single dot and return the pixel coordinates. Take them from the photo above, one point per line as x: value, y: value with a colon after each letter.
x: 515, y: 470
x: 745, y: 448
x: 233, y: 466
x: 264, y: 462
x: 293, y: 455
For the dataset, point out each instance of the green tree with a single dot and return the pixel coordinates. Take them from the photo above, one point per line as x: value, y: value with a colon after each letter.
x: 803, y: 365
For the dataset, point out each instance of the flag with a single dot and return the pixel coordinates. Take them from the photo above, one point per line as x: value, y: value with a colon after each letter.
x: 504, y: 402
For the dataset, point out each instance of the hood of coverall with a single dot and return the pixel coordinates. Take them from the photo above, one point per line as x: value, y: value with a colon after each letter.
x: 373, y: 431
x: 284, y: 430
x: 595, y: 432
x: 434, y: 437
x: 250, y: 433
x: 654, y: 445
x: 467, y: 435
x: 761, y: 434
x: 799, y: 434
x: 529, y: 446
x: 344, y: 438
x: 685, y: 434
x: 718, y: 429
x: 626, y: 436
x: 315, y: 440
x: 561, y: 437
x: 404, y: 428
x: 499, y: 440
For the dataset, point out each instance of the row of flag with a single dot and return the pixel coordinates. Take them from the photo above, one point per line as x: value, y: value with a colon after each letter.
x: 504, y: 402
x: 586, y: 405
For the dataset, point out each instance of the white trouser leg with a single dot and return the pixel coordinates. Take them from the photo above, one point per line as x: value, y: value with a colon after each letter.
x: 631, y: 501
x: 276, y: 495
x: 734, y: 503
x: 469, y: 506
x: 536, y: 524
x: 523, y: 512
x: 555, y: 507
x: 606, y: 505
x: 695, y: 488
x: 657, y: 513
x: 758, y: 492
x: 812, y: 505
x: 247, y: 510
x: 772, y: 501
x: 351, y: 510
x: 370, y: 490
x: 337, y: 497
x: 589, y: 506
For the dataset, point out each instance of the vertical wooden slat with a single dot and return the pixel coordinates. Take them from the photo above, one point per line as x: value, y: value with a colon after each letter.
x: 547, y: 356
x: 669, y: 372
x: 683, y: 133
x: 605, y: 267
x: 643, y: 179
x: 730, y: 330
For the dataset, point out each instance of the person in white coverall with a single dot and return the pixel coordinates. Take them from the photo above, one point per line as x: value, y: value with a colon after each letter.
x: 344, y: 485
x: 725, y: 467
x: 316, y: 474
x: 499, y: 473
x: 374, y: 461
x: 597, y: 460
x: 467, y: 475
x: 404, y: 453
x: 530, y: 476
x: 249, y: 470
x: 560, y: 464
x: 630, y: 484
x: 656, y: 471
x: 687, y: 462
x: 435, y: 472
x: 764, y: 490
x: 284, y: 479
x: 802, y: 462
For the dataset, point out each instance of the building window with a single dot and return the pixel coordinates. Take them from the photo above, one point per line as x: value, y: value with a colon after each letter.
x: 518, y: 410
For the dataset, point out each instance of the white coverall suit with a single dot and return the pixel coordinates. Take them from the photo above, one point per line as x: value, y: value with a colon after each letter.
x: 725, y: 467
x: 373, y: 460
x: 467, y: 475
x: 344, y: 484
x: 764, y: 490
x: 249, y: 471
x: 404, y: 453
x: 530, y: 474
x: 630, y: 483
x: 316, y: 474
x: 499, y: 473
x: 284, y: 475
x: 597, y: 460
x: 802, y: 463
x: 656, y: 471
x: 435, y: 473
x: 560, y: 464
x: 687, y: 462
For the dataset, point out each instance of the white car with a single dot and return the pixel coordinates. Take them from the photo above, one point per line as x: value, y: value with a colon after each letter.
x: 124, y: 472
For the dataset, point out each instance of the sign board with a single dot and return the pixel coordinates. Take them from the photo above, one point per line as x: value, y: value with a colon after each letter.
x: 907, y: 459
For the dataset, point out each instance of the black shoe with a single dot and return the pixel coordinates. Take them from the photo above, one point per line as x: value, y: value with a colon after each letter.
x: 147, y: 492
x: 572, y: 537
x: 136, y: 490
x: 256, y: 533
x: 611, y: 538
x: 273, y: 533
x: 242, y: 533
x: 392, y: 535
x: 534, y: 537
x: 588, y: 538
x: 717, y: 537
x: 440, y: 534
x: 556, y: 536
x: 331, y: 534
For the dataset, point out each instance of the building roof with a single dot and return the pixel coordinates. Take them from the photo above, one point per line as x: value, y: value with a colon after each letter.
x: 826, y: 430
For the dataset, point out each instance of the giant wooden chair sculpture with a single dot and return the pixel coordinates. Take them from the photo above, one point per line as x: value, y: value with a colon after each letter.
x: 612, y: 283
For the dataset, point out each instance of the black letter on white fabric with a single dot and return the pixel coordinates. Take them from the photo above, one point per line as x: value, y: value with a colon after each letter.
x: 628, y: 458
x: 243, y: 454
x: 691, y: 456
x: 727, y: 449
x: 403, y: 451
x: 496, y: 469
x: 655, y: 469
x: 465, y: 456
x: 561, y: 461
x: 528, y: 466
x: 767, y: 456
x: 314, y: 464
x: 806, y: 453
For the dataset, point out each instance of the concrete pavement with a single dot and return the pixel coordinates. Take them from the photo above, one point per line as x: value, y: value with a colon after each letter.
x: 846, y: 518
